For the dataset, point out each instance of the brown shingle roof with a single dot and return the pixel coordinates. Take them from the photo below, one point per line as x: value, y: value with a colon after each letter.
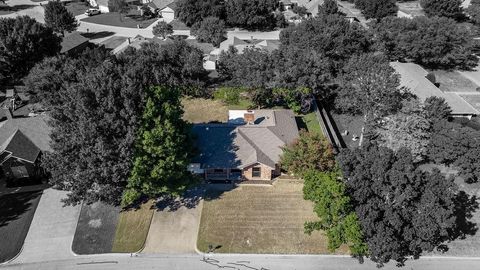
x: 22, y: 147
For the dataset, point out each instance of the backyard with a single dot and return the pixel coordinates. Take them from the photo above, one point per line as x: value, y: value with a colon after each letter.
x: 199, y: 110
x: 16, y: 214
x: 309, y: 122
x: 130, y: 20
x: 260, y: 219
x: 452, y: 81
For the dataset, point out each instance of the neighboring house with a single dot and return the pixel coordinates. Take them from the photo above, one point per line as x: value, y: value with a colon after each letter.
x: 166, y: 8
x: 74, y: 43
x: 241, y: 44
x: 23, y: 139
x: 248, y: 147
x: 115, y: 44
x: 106, y: 6
x: 422, y: 84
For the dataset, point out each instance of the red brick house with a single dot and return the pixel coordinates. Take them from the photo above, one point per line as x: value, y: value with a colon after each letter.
x: 246, y: 148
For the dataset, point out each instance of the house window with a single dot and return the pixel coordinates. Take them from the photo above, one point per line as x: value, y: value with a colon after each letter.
x: 19, y: 171
x: 218, y: 171
x: 256, y: 172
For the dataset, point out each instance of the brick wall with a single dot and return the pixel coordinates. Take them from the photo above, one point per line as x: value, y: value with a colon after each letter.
x: 265, y: 172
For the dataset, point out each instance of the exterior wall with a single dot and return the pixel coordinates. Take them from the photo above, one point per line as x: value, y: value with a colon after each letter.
x: 13, y: 162
x: 168, y: 14
x: 266, y: 172
x: 104, y: 9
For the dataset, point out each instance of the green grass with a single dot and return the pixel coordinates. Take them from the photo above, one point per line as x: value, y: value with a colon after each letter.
x: 260, y: 220
x: 76, y: 8
x: 243, y: 104
x: 452, y: 81
x: 311, y: 122
x: 132, y: 228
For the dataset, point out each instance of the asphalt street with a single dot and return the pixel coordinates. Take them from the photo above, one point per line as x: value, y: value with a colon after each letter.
x: 240, y: 262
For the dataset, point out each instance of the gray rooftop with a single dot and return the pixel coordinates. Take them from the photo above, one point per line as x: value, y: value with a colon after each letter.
x: 413, y: 77
x: 238, y: 146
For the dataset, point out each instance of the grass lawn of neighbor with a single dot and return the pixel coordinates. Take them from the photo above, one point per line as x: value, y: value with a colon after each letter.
x: 16, y: 214
x: 6, y: 9
x: 452, y: 81
x: 76, y: 7
x: 473, y: 100
x: 260, y: 219
x: 95, y: 229
x: 353, y: 124
x: 132, y: 228
x: 131, y: 20
x: 199, y: 110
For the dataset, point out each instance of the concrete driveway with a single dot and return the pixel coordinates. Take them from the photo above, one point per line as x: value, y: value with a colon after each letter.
x: 51, y: 232
x: 175, y: 224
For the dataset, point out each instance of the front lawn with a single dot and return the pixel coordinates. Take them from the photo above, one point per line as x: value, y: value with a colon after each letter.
x: 473, y: 100
x: 131, y: 20
x: 16, y: 214
x: 6, y: 9
x: 132, y: 228
x: 95, y: 229
x: 258, y: 219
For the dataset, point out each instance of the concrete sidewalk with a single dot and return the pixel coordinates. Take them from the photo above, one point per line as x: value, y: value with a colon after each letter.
x: 51, y: 232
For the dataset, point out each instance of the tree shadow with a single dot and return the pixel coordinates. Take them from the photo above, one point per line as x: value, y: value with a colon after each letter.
x: 13, y: 206
x: 16, y: 7
x: 190, y: 199
x: 95, y: 35
x: 465, y: 206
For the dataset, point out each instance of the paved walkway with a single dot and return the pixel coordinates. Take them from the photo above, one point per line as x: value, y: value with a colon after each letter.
x: 51, y: 232
x: 175, y: 225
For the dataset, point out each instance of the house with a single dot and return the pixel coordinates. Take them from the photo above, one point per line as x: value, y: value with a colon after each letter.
x: 166, y: 8
x: 246, y: 148
x: 74, y: 43
x: 422, y: 84
x: 106, y: 6
x: 22, y: 142
x: 241, y: 44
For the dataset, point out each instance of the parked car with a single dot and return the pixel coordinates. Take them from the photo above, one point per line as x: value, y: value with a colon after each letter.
x: 92, y: 11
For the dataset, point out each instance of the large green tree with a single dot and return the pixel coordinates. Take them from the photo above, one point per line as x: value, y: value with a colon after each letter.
x: 436, y: 42
x: 23, y: 43
x: 333, y: 207
x: 453, y: 144
x: 59, y: 18
x: 95, y: 103
x: 210, y: 30
x: 162, y: 29
x: 251, y: 14
x: 369, y: 87
x: 194, y: 11
x: 162, y: 148
x: 403, y: 211
x: 377, y: 9
x: 311, y: 151
x: 445, y: 8
x: 473, y: 11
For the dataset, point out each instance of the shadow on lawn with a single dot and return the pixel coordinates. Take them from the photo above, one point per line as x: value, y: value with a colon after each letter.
x: 95, y: 35
x: 13, y: 206
x: 190, y: 200
x: 16, y: 7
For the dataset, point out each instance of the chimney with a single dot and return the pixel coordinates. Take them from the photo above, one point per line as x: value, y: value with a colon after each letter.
x: 129, y: 41
x: 249, y: 117
x: 8, y: 113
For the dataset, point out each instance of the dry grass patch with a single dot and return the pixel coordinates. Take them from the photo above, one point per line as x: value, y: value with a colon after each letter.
x: 452, y: 81
x: 258, y: 219
x: 199, y: 110
x: 132, y: 228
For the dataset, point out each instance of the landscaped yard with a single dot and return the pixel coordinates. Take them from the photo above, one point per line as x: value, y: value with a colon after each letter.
x: 179, y: 25
x: 95, y: 229
x: 132, y: 228
x: 452, y: 81
x: 199, y: 110
x: 131, y: 20
x: 16, y: 214
x: 259, y: 219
